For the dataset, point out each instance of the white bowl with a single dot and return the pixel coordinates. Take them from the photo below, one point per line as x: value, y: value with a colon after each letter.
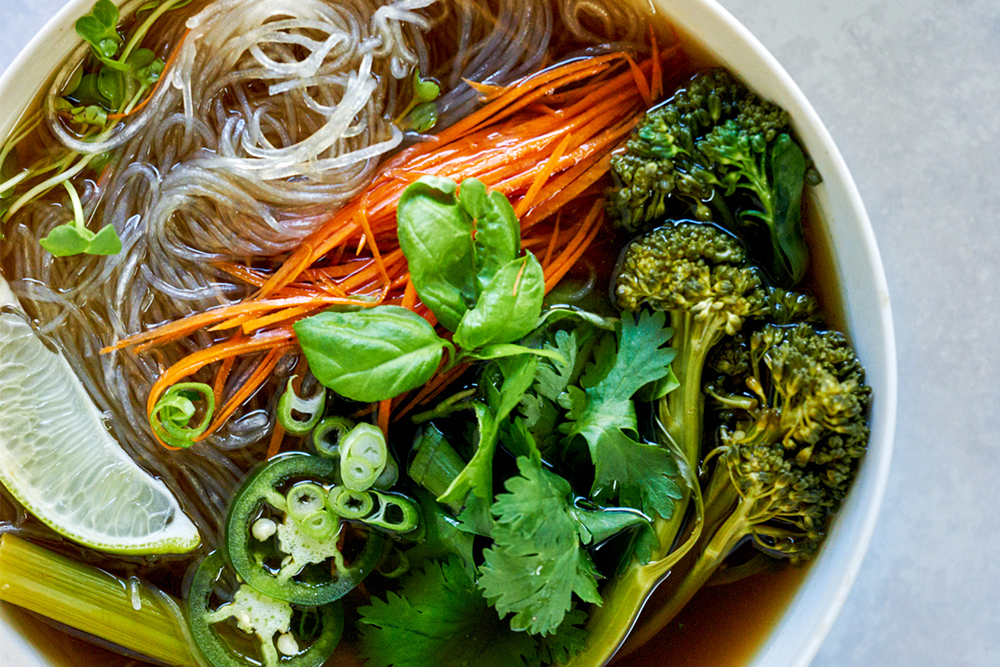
x: 856, y: 268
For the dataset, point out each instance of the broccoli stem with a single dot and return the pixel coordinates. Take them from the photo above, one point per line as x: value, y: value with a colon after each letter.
x: 720, y: 544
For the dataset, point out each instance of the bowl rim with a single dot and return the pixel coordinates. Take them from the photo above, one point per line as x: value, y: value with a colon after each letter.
x: 813, y: 609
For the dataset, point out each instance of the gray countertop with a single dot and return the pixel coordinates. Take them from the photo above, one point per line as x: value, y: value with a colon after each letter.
x: 910, y: 91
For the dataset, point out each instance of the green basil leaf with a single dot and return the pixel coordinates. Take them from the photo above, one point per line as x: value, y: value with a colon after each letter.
x: 435, y: 234
x: 498, y: 234
x: 66, y: 240
x: 371, y: 355
x: 509, y: 307
x: 105, y: 242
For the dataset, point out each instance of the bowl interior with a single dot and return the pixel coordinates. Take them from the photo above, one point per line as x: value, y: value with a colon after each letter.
x: 856, y: 269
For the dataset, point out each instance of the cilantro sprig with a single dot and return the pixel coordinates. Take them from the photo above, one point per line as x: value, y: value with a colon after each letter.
x: 440, y: 619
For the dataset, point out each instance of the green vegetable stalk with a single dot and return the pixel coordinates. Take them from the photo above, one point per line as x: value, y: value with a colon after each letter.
x: 787, y: 455
x: 93, y: 601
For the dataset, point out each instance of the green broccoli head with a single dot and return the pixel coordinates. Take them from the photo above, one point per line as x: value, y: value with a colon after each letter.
x: 717, y: 152
x: 693, y: 267
x: 698, y: 273
x: 793, y: 441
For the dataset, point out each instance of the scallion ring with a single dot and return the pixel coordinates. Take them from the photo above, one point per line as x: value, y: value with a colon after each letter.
x: 321, y: 525
x: 171, y: 417
x: 304, y: 499
x: 347, y: 504
x: 363, y: 455
x: 328, y: 435
x: 396, y: 512
x: 291, y: 403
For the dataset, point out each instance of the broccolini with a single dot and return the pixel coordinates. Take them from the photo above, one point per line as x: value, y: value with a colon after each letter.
x: 788, y: 450
x: 718, y: 152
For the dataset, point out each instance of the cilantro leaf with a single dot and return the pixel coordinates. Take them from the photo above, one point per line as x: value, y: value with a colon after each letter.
x: 642, y: 474
x: 603, y: 414
x: 477, y: 476
x: 537, y: 561
x: 440, y: 619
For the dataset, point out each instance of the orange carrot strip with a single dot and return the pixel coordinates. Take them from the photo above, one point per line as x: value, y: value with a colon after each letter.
x: 657, y: 75
x: 552, y: 241
x: 640, y: 82
x: 409, y: 294
x: 220, y: 378
x: 577, y: 247
x: 287, y: 315
x: 197, y: 360
x: 543, y: 176
x: 384, y: 410
x: 253, y: 383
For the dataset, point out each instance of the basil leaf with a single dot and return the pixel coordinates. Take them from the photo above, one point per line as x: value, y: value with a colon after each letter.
x: 498, y: 234
x: 435, y: 234
x: 371, y: 355
x: 509, y: 307
x: 504, y: 350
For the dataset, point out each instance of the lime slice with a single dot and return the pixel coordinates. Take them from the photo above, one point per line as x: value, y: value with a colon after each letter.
x: 60, y: 462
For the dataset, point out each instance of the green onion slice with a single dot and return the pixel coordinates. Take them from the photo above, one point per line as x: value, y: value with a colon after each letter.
x: 305, y: 499
x: 321, y: 525
x: 290, y: 403
x: 171, y: 416
x: 328, y: 435
x: 363, y: 456
x: 354, y: 505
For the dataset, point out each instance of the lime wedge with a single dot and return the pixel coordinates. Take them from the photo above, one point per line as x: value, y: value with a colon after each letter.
x: 60, y: 462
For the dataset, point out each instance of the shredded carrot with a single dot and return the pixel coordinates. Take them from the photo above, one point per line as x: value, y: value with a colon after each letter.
x: 221, y: 377
x: 656, y: 76
x: 550, y: 165
x: 552, y: 241
x: 409, y: 294
x: 253, y: 383
x: 544, y: 142
x: 384, y: 411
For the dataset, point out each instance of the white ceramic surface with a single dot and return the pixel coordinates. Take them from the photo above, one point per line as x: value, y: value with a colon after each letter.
x: 857, y: 268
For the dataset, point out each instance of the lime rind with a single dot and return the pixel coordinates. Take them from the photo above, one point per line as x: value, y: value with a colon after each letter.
x: 60, y: 462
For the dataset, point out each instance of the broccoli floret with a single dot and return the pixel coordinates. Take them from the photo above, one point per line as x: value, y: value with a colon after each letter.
x: 789, y: 451
x: 698, y: 273
x: 718, y: 152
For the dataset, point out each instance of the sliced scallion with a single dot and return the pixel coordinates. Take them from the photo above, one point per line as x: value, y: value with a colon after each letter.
x: 363, y: 456
x: 304, y: 499
x: 291, y: 403
x: 171, y: 416
x: 328, y: 435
